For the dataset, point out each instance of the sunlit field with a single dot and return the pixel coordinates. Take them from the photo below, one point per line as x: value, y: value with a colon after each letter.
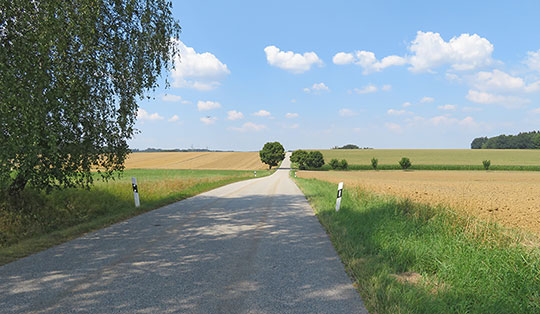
x: 196, y: 160
x: 461, y: 157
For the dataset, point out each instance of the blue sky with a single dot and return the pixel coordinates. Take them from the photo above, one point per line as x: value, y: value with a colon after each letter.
x: 315, y: 74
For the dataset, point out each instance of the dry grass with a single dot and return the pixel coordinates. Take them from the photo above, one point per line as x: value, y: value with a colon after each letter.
x: 510, y: 198
x: 196, y: 160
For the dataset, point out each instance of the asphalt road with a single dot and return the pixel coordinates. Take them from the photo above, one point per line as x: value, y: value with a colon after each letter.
x: 249, y: 247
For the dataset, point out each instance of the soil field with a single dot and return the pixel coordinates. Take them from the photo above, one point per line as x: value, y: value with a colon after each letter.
x: 509, y: 157
x: 511, y: 198
x: 196, y: 160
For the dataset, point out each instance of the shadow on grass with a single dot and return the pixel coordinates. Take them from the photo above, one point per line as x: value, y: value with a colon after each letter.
x: 205, y: 254
x: 37, y: 220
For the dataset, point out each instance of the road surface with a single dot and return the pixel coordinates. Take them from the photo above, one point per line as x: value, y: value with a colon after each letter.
x: 250, y: 247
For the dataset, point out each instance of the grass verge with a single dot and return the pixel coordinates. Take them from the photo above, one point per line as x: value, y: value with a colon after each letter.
x: 412, y: 258
x: 44, y: 220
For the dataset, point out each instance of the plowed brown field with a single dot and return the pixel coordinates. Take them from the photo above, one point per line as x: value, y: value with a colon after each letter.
x: 196, y: 160
x: 511, y: 198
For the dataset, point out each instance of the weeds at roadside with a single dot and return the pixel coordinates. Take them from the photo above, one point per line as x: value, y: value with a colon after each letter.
x: 412, y: 258
x: 42, y: 220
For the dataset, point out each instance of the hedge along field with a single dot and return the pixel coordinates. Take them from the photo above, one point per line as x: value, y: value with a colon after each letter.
x: 407, y: 257
x: 49, y: 219
x: 438, y: 157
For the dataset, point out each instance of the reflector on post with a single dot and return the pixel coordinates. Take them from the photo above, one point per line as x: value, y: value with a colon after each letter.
x: 339, y: 194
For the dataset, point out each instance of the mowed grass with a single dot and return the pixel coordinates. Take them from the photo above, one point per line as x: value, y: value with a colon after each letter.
x: 49, y: 219
x: 438, y: 158
x: 411, y: 258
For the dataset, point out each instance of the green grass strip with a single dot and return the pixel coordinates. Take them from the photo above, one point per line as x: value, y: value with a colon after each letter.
x: 46, y: 220
x: 439, y: 167
x: 412, y: 258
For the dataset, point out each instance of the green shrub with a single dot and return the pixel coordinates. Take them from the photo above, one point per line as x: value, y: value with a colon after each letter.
x: 486, y: 164
x: 334, y: 164
x: 374, y: 163
x: 315, y: 159
x: 343, y: 164
x: 405, y: 163
x: 300, y: 157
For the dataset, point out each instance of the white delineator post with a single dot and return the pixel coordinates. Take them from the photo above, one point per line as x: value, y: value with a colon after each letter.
x: 135, y: 192
x: 255, y: 173
x: 339, y: 194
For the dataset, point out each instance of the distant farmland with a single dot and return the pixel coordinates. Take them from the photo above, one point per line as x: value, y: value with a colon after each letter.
x: 510, y: 198
x: 196, y: 160
x: 508, y: 157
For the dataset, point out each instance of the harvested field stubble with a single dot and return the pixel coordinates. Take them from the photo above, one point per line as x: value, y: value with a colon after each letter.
x: 510, y: 198
x: 196, y: 160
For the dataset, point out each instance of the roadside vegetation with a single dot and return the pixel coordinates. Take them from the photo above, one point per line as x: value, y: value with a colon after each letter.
x: 38, y: 220
x: 410, y: 258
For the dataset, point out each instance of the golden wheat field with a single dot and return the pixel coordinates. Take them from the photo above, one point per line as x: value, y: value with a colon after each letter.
x: 508, y: 197
x: 196, y: 160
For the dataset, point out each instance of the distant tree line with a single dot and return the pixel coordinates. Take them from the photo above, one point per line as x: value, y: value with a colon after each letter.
x: 350, y: 146
x: 524, y: 140
x: 173, y: 150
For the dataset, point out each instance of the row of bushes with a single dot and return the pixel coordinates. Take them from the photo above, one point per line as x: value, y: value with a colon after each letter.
x: 405, y: 163
x: 314, y: 160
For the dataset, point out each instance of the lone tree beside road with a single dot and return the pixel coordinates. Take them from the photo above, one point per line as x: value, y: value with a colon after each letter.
x: 71, y: 75
x: 272, y: 153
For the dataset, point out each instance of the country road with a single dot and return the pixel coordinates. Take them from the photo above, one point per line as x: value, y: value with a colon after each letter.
x: 250, y: 247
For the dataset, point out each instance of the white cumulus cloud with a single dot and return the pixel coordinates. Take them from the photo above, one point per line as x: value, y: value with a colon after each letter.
x: 207, y: 105
x: 174, y: 118
x: 290, y: 115
x: 488, y: 98
x: 367, y: 60
x: 533, y: 60
x: 234, y: 115
x: 200, y: 71
x: 290, y: 61
x: 427, y: 99
x: 342, y: 58
x: 536, y: 111
x: 249, y: 126
x: 366, y: 89
x: 208, y: 120
x: 500, y: 81
x: 171, y: 98
x: 261, y: 113
x: 317, y: 87
x: 144, y: 115
x: 465, y: 52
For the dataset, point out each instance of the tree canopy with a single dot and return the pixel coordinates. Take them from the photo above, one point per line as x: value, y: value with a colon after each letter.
x: 524, y: 140
x: 272, y: 153
x: 305, y: 159
x: 71, y: 75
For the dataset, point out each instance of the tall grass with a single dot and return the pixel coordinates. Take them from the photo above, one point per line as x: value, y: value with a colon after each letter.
x: 37, y: 220
x: 411, y: 258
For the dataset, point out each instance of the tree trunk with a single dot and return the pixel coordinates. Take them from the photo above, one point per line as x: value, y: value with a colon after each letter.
x: 17, y: 185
